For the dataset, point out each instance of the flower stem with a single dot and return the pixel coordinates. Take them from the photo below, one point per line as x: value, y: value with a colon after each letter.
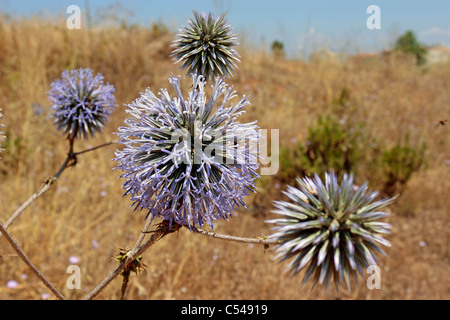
x: 159, y: 233
x: 155, y: 237
x: 27, y: 261
x: 93, y: 148
x: 69, y: 161
x: 265, y: 242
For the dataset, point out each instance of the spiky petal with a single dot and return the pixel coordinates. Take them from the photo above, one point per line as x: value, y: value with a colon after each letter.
x: 330, y: 230
x: 206, y: 46
x: 81, y: 103
x: 188, y: 161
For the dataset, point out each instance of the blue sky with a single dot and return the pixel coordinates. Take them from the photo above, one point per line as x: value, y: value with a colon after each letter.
x: 301, y: 25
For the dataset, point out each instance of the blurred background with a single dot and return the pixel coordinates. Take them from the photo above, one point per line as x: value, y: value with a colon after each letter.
x: 375, y: 102
x: 302, y: 26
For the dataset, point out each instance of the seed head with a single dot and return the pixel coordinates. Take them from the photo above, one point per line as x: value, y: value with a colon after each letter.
x: 81, y: 103
x: 188, y: 161
x: 331, y: 231
x: 206, y: 46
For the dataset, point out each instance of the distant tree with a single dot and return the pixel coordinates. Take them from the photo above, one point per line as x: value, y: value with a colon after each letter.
x: 278, y: 48
x: 407, y: 43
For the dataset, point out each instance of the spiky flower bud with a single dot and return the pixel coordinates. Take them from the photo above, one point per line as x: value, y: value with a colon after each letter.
x: 331, y: 230
x: 206, y: 46
x: 81, y: 103
x: 134, y: 266
x: 188, y: 161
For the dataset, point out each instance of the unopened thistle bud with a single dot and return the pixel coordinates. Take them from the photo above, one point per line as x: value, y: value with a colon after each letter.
x: 206, y: 47
x: 330, y: 230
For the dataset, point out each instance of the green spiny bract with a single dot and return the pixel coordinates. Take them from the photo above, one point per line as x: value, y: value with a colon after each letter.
x: 206, y: 46
x: 333, y: 231
x: 135, y: 266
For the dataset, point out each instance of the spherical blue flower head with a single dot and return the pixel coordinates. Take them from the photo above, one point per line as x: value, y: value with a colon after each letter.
x: 331, y: 230
x: 81, y: 103
x: 188, y: 161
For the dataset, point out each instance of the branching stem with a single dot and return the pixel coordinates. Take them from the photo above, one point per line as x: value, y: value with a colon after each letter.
x: 226, y: 237
x: 27, y: 261
x: 160, y: 232
x: 70, y: 160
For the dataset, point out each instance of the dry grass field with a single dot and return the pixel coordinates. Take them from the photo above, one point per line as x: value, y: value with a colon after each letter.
x: 85, y: 215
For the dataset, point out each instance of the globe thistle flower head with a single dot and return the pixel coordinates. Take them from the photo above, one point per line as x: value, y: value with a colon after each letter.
x: 81, y: 103
x: 330, y: 230
x: 206, y: 46
x: 188, y: 161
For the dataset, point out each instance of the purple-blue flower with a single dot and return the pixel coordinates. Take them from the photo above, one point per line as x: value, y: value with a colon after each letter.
x: 188, y: 161
x: 81, y: 103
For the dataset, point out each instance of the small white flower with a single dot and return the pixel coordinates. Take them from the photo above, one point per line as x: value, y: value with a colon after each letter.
x: 45, y: 296
x: 74, y: 259
x: 12, y: 284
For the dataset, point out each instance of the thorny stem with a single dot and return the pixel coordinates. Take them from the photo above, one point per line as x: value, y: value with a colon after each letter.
x: 124, y: 286
x: 140, y: 238
x: 27, y: 261
x: 159, y: 233
x: 70, y: 160
x: 132, y: 252
x: 265, y: 242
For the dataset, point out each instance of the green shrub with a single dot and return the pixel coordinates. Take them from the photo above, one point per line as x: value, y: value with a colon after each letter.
x: 332, y: 144
x: 278, y: 48
x: 407, y: 43
x: 339, y: 142
x: 399, y: 163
